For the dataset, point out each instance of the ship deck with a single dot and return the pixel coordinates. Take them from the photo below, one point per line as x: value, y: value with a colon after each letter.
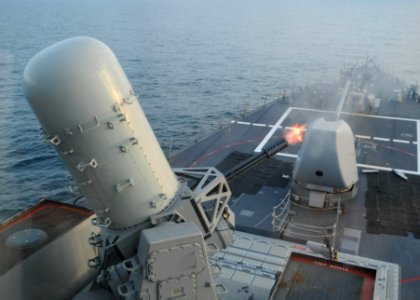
x: 387, y: 208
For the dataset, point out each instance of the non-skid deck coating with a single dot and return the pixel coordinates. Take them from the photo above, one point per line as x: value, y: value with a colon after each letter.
x: 393, y: 206
x: 385, y: 141
x: 382, y: 143
x: 301, y: 280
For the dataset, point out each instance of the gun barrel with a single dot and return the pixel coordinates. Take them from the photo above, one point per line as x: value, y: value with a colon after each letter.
x: 255, y: 160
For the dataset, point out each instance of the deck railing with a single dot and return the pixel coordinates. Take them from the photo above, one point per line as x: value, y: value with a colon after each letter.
x: 281, y: 213
x: 283, y: 224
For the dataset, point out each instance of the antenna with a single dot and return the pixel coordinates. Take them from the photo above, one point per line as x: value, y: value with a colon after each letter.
x: 341, y: 102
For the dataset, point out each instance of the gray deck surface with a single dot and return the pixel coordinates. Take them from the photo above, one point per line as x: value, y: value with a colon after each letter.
x: 386, y: 213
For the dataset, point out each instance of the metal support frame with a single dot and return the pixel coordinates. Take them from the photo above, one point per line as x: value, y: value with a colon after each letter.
x: 210, y: 194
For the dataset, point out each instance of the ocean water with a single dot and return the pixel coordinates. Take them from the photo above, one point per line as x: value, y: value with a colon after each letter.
x: 195, y: 64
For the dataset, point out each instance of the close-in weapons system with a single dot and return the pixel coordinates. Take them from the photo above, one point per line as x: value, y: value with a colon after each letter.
x: 157, y: 229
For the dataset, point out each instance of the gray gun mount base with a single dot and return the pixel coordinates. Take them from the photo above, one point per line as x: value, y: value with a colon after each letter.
x: 321, y: 197
x: 167, y: 257
x: 175, y: 265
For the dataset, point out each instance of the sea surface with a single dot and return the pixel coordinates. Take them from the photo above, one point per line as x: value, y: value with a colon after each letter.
x: 195, y: 64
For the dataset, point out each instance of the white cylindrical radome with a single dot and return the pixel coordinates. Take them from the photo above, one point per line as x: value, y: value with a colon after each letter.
x: 89, y: 112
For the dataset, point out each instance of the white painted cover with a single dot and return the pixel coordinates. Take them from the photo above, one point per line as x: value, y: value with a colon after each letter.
x: 327, y: 156
x: 83, y: 98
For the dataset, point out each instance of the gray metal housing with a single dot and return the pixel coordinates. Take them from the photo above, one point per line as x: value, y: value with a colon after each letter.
x: 327, y: 159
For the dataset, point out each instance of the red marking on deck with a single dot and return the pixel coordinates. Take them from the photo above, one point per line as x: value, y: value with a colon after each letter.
x: 406, y: 280
x: 367, y: 274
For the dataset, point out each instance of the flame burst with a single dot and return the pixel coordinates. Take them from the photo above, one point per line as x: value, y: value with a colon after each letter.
x: 294, y: 134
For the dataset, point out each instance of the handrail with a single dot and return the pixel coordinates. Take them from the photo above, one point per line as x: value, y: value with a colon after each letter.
x: 282, y: 224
